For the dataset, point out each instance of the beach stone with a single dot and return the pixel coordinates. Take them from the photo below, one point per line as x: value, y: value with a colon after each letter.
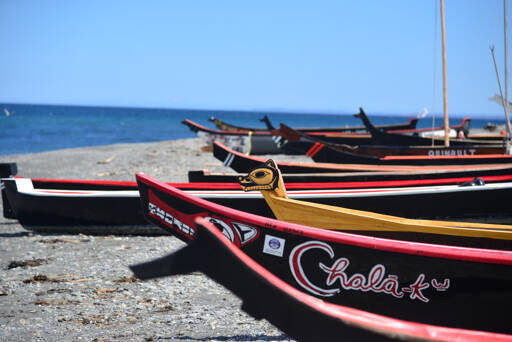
x: 72, y: 286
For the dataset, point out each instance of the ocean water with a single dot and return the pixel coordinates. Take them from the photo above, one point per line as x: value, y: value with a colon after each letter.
x: 38, y: 128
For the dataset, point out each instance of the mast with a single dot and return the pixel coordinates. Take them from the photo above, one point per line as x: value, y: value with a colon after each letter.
x: 506, y: 98
x: 505, y: 25
x: 445, y: 96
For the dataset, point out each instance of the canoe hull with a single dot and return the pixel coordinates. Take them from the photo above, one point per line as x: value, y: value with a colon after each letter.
x: 297, y: 314
x: 308, y: 147
x: 410, y: 125
x: 325, y: 153
x: 36, y: 203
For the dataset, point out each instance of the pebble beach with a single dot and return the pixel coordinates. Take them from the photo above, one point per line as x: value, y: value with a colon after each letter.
x: 61, y: 286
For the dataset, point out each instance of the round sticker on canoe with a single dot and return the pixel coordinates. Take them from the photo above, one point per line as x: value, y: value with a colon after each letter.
x: 274, y: 243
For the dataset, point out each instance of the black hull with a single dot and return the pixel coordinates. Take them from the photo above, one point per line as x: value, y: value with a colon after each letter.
x: 438, y: 285
x: 69, y: 211
x: 308, y: 147
x: 327, y: 154
x: 401, y: 140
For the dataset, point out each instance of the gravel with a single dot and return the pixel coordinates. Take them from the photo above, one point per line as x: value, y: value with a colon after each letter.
x: 77, y: 287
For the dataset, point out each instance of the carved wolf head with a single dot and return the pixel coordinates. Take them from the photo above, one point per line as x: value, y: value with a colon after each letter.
x: 264, y: 177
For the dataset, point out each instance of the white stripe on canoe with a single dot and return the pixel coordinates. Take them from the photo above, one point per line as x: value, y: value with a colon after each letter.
x: 25, y: 186
x: 229, y: 159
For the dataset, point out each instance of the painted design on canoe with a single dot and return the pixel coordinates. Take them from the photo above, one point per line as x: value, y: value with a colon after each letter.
x: 376, y: 281
x: 238, y: 233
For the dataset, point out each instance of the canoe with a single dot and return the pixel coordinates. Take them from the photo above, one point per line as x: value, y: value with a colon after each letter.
x: 299, y: 143
x: 380, y: 137
x: 404, y: 137
x: 349, y: 162
x: 39, y: 203
x: 224, y: 126
x: 490, y: 173
x: 443, y: 285
x: 296, y: 313
x: 325, y: 153
x: 247, y: 142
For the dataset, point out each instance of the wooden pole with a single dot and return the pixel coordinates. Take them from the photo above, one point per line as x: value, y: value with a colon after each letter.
x: 506, y: 100
x: 505, y: 35
x: 445, y: 95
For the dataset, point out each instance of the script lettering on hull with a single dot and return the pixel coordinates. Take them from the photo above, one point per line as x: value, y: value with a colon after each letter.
x: 338, y: 279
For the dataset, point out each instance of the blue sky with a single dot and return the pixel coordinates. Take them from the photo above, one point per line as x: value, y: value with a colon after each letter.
x: 308, y: 56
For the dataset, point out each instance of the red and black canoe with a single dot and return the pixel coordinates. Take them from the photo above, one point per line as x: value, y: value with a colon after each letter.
x: 329, y: 160
x: 456, y: 287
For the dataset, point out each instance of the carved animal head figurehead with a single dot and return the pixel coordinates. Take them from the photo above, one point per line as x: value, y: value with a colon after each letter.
x: 264, y: 177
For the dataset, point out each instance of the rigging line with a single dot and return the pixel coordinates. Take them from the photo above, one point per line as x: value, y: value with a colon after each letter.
x: 502, y: 101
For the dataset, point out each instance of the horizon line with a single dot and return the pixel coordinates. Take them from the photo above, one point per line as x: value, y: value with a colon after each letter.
x: 254, y: 110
